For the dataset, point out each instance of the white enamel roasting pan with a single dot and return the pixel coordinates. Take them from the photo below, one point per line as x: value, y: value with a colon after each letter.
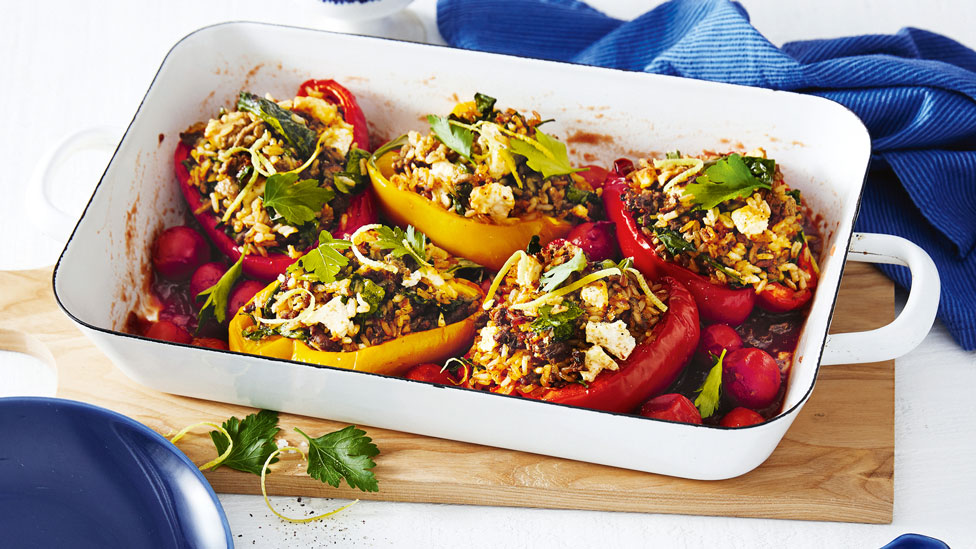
x: 823, y: 150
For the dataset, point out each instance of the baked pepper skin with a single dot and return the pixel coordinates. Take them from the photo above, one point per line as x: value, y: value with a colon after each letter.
x: 361, y: 210
x: 778, y: 298
x: 651, y: 367
x: 338, y: 95
x: 485, y: 243
x: 716, y: 303
x: 393, y: 357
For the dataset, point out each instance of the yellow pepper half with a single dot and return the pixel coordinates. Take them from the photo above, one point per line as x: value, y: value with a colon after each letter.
x: 488, y: 244
x: 393, y: 357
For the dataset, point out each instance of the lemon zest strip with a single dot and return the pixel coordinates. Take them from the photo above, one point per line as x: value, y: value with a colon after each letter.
x: 264, y: 490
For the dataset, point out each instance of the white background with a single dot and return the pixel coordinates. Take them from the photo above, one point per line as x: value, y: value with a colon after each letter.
x: 69, y: 65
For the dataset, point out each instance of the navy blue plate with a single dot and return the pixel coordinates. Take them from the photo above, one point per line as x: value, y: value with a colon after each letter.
x: 76, y: 475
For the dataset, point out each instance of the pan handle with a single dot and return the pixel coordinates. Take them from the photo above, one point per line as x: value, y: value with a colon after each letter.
x: 912, y: 325
x: 51, y: 219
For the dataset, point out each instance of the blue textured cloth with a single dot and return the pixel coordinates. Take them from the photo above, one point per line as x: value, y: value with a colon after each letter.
x: 915, y: 91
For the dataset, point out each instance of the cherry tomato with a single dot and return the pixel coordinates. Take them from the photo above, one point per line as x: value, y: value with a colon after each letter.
x: 204, y: 277
x: 178, y: 251
x: 211, y: 342
x: 671, y: 407
x: 597, y: 239
x: 750, y: 377
x: 717, y: 337
x: 241, y: 294
x: 168, y: 331
x: 741, y: 417
x: 431, y: 373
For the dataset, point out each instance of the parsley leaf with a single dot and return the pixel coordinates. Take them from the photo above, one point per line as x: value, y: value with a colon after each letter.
x: 343, y: 454
x: 728, y: 178
x: 555, y: 276
x: 709, y: 393
x: 533, y: 247
x: 456, y: 138
x: 354, y: 177
x: 401, y: 243
x: 795, y: 193
x: 325, y: 261
x: 254, y: 441
x: 216, y: 304
x: 485, y: 105
x: 550, y: 160
x: 296, y: 202
x: 762, y: 168
x: 281, y: 121
x: 562, y: 323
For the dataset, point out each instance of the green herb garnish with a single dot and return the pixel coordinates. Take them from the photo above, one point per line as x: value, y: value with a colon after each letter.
x: 562, y: 324
x: 344, y: 454
x: 555, y: 276
x: 296, y: 201
x: 401, y: 243
x: 216, y: 304
x: 579, y: 196
x: 461, y: 197
x: 533, y: 247
x: 485, y: 105
x: 463, y: 263
x: 673, y: 242
x: 727, y: 179
x: 456, y: 138
x: 673, y: 155
x: 253, y: 441
x: 545, y: 155
x: 795, y: 193
x: 281, y: 121
x: 709, y: 393
x: 354, y: 178
x: 373, y: 295
x: 325, y: 261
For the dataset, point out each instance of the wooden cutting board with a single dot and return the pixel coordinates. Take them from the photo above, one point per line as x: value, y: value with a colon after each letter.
x: 836, y: 462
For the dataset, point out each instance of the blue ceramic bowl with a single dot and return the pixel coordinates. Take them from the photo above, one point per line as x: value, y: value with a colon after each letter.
x: 76, y: 475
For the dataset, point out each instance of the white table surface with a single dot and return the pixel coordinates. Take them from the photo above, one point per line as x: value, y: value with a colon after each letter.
x: 70, y: 65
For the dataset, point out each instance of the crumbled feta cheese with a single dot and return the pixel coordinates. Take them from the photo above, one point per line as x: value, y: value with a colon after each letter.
x: 335, y: 316
x: 528, y: 271
x: 612, y: 336
x: 596, y: 361
x: 750, y: 220
x: 491, y: 138
x: 487, y: 338
x: 494, y: 199
x: 446, y: 172
x: 595, y: 295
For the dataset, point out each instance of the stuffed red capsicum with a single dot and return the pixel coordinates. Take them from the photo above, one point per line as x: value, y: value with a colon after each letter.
x: 483, y: 182
x: 382, y: 301
x: 591, y: 334
x: 265, y: 178
x: 727, y: 226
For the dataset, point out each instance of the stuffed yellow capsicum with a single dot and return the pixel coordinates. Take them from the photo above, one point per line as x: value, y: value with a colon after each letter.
x: 382, y: 301
x: 482, y: 183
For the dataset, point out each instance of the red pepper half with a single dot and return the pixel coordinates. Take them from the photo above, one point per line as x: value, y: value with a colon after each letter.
x: 716, y: 303
x: 338, y: 95
x: 651, y: 367
x: 779, y: 298
x: 361, y: 210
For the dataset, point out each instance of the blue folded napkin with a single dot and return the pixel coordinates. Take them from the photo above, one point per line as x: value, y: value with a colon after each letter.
x: 915, y: 91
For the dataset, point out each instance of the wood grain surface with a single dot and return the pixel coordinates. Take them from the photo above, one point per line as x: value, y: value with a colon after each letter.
x: 836, y: 462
